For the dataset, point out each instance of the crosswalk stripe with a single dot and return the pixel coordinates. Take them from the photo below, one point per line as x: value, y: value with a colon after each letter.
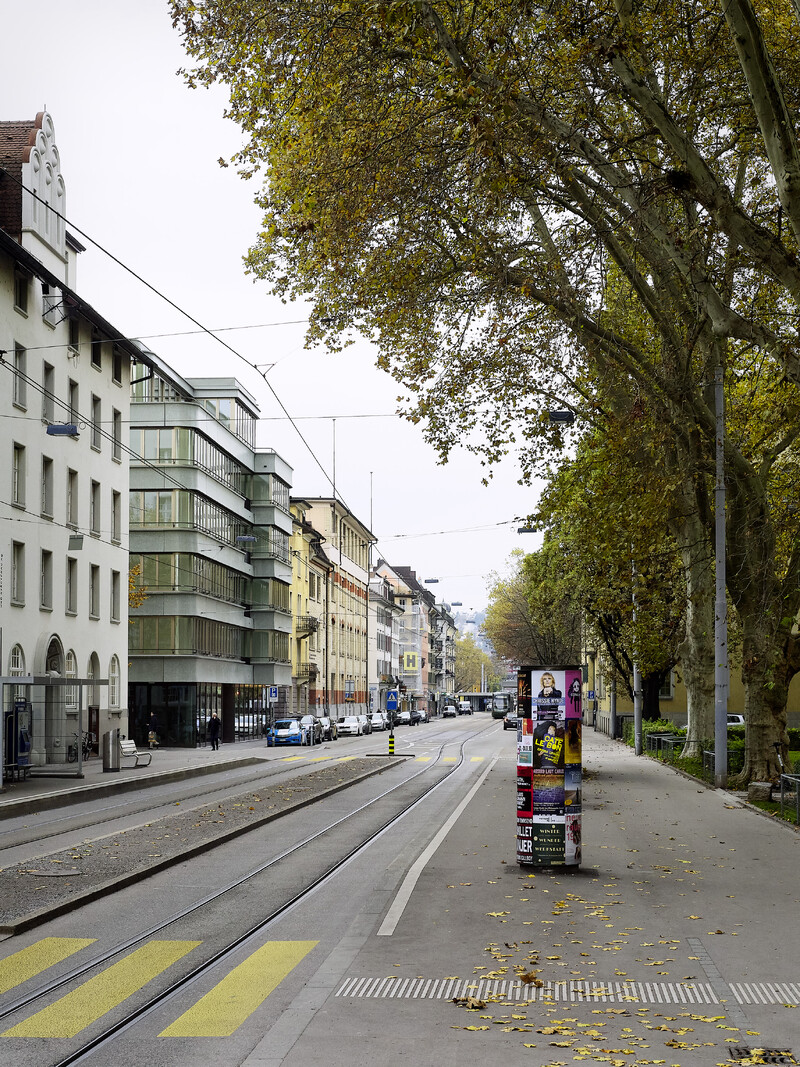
x: 449, y: 759
x: 225, y: 1007
x: 289, y: 759
x: 30, y: 961
x: 75, y: 1011
x: 477, y: 759
x: 422, y: 759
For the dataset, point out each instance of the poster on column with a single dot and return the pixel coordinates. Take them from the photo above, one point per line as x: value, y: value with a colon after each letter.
x: 549, y: 754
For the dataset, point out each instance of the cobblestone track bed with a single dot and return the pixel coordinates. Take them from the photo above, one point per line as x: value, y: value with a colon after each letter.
x: 34, y: 892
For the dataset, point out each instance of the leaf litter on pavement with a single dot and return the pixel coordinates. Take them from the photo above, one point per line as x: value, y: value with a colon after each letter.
x: 526, y: 962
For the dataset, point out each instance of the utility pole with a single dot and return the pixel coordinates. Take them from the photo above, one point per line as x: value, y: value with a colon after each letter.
x: 637, y: 682
x: 721, y: 602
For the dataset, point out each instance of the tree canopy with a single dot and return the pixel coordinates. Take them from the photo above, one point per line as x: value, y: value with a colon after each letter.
x: 514, y: 201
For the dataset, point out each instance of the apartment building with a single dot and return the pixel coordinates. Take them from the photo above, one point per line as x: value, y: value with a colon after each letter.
x: 64, y: 377
x: 384, y: 647
x: 210, y: 536
x: 311, y: 574
x: 346, y: 543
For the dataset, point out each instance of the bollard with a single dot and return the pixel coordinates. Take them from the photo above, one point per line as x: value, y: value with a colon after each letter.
x: 391, y: 743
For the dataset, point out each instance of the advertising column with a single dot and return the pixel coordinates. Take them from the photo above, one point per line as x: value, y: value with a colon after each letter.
x: 549, y: 771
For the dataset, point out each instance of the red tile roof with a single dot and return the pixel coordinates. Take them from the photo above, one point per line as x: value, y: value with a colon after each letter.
x: 16, y: 139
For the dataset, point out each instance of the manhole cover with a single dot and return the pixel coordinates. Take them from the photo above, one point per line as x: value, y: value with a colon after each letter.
x: 744, y: 1054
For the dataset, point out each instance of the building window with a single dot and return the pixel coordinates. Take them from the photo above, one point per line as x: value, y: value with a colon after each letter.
x: 116, y: 517
x: 74, y: 407
x: 113, y: 683
x: 74, y: 337
x: 94, y: 591
x: 115, y: 600
x: 46, y: 581
x: 50, y: 302
x: 48, y: 392
x: 71, y: 592
x: 18, y: 476
x: 47, y: 487
x: 94, y: 509
x: 20, y: 389
x: 17, y: 572
x: 22, y: 282
x: 96, y: 420
x: 16, y: 668
x: 116, y: 434
x: 97, y: 351
x: 70, y: 671
x: 72, y: 498
x: 667, y: 690
x: 116, y: 364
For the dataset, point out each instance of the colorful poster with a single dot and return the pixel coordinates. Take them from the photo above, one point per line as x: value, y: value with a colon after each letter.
x: 524, y: 840
x: 548, y: 744
x: 572, y: 839
x: 524, y: 800
x: 572, y: 739
x: 524, y: 749
x: 547, y: 793
x: 573, y: 687
x: 548, y: 840
x: 573, y: 776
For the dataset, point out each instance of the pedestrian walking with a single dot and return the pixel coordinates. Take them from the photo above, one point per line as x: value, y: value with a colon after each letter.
x: 152, y: 730
x: 214, y: 730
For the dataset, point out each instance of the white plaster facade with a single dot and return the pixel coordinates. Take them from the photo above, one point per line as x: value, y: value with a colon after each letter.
x: 63, y: 513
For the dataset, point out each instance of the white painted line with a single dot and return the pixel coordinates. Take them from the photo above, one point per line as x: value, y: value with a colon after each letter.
x: 395, y: 912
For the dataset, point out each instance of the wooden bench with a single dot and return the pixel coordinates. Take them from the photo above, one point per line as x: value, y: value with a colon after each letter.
x: 128, y: 748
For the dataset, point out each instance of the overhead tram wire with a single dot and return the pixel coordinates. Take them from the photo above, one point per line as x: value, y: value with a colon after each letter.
x: 181, y: 311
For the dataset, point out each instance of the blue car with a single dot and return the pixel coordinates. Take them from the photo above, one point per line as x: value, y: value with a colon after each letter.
x: 285, y: 732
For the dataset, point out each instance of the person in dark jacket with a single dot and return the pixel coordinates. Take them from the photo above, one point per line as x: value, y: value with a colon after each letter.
x: 214, y: 730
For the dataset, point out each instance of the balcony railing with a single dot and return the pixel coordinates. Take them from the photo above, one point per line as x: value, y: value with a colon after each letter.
x: 306, y: 624
x: 307, y: 670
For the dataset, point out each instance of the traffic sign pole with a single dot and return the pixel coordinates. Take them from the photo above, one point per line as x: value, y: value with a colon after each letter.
x: 391, y: 707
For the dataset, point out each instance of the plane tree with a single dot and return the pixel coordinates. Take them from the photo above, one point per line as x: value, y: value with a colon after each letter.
x: 530, y: 618
x: 459, y: 180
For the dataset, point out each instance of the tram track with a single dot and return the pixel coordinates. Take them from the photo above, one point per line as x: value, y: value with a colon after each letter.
x: 218, y: 957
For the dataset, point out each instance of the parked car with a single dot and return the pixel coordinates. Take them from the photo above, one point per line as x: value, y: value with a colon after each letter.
x: 403, y: 718
x: 464, y: 707
x: 350, y: 725
x: 285, y: 732
x: 312, y: 728
x: 510, y: 721
x: 366, y: 725
x: 736, y: 720
x: 378, y: 721
x: 449, y: 711
x: 416, y: 717
x: 330, y: 730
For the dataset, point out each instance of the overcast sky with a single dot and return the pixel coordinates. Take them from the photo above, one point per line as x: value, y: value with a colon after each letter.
x: 139, y: 157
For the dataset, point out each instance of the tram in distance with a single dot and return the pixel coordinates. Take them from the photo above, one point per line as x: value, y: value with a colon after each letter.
x: 502, y: 703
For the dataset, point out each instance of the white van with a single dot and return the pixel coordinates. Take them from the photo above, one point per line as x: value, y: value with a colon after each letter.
x: 464, y: 707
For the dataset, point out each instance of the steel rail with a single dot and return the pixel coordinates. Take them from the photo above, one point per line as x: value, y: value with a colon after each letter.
x: 98, y: 961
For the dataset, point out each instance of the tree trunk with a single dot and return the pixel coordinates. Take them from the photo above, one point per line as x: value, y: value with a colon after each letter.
x: 696, y: 651
x: 651, y: 708
x: 765, y: 720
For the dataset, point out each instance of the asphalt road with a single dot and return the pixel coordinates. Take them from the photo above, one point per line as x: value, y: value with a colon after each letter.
x: 676, y: 942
